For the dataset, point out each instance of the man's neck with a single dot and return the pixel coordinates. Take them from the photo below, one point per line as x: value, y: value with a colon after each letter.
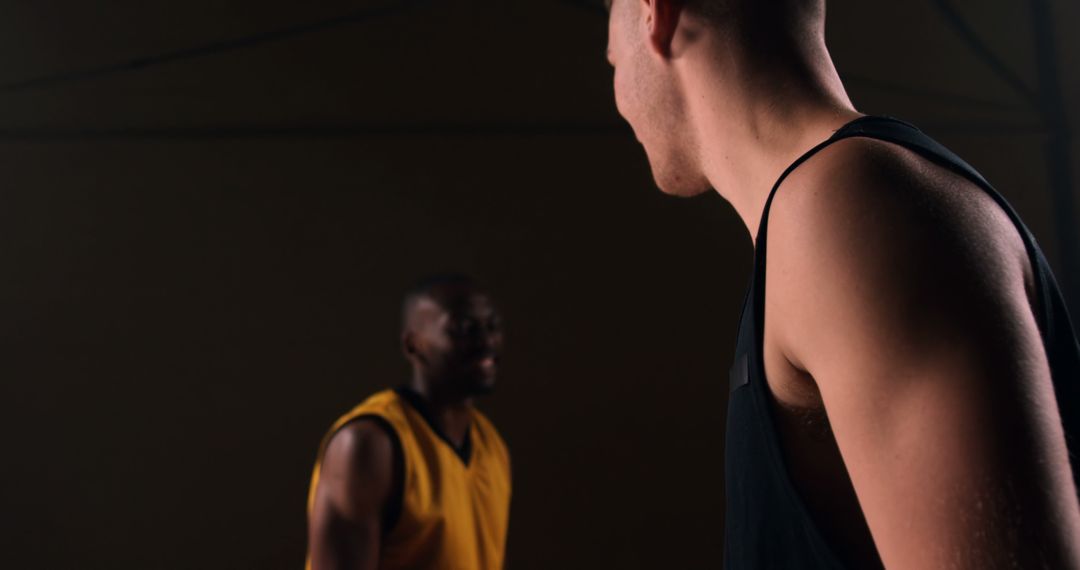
x: 450, y: 413
x: 751, y: 125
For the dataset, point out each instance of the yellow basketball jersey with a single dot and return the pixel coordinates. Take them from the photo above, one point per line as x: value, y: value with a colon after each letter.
x: 454, y: 509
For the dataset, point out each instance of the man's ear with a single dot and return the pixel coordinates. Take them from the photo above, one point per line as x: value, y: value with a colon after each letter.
x: 408, y: 345
x: 662, y: 18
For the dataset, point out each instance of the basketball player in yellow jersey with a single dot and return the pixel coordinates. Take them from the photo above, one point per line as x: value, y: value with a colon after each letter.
x: 417, y: 478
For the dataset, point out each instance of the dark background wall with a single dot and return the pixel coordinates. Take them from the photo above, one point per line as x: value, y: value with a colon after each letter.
x: 209, y: 210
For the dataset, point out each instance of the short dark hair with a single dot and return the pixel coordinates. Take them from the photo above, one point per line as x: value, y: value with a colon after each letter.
x: 429, y: 286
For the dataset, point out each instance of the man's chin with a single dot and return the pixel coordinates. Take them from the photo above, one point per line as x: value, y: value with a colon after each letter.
x: 480, y: 385
x: 483, y: 388
x: 675, y: 178
x: 680, y: 187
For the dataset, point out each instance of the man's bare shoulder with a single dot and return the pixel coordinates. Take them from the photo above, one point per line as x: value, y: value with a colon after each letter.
x: 895, y: 230
x: 362, y: 448
x: 859, y: 179
x: 873, y: 199
x: 355, y: 482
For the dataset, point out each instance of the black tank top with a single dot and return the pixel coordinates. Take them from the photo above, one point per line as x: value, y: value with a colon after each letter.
x: 768, y: 526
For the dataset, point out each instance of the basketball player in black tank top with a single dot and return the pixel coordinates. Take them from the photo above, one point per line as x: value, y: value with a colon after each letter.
x: 905, y: 387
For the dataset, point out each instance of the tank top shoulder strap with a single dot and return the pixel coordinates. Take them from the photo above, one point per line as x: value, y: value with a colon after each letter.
x: 762, y: 233
x: 886, y: 129
x: 898, y: 132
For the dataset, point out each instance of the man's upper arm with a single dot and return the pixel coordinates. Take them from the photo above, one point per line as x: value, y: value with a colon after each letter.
x: 356, y: 481
x: 913, y: 321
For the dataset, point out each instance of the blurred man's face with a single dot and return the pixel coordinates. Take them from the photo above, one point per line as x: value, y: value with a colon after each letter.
x: 456, y: 342
x: 648, y: 96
